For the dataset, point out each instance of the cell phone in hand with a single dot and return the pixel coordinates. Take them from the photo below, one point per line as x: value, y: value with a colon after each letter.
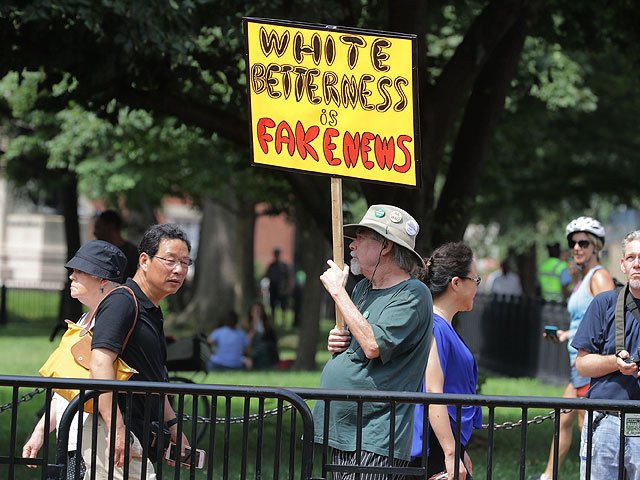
x: 552, y: 333
x: 172, y: 455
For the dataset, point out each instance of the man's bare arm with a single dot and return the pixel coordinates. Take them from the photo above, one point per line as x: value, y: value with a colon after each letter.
x: 102, y: 368
x: 595, y: 365
x: 169, y: 414
x: 334, y: 281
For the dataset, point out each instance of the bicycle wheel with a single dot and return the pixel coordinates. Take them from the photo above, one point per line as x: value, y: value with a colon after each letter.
x: 204, y: 410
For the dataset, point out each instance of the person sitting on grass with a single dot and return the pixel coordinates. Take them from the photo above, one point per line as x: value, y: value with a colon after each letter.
x: 232, y: 345
x: 263, y: 337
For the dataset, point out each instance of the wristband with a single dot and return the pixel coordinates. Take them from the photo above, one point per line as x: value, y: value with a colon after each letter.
x: 172, y: 422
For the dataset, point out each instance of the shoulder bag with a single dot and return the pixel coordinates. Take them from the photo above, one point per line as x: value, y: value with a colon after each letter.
x: 72, y: 358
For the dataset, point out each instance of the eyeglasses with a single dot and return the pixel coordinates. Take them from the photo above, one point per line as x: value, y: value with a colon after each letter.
x: 581, y: 243
x: 478, y: 279
x: 171, y: 263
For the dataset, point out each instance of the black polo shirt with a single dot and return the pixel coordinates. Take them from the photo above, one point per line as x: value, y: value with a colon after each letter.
x: 146, y: 350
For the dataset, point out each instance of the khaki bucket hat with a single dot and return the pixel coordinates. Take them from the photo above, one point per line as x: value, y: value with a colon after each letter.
x: 392, y: 223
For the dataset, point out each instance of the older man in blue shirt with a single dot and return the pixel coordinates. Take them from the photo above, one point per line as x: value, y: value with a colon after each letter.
x: 611, y: 376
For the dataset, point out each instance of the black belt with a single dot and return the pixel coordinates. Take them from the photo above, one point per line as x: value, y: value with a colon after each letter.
x: 599, y: 415
x: 613, y: 413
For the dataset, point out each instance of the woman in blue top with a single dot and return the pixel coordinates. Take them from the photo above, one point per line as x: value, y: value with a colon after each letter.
x: 233, y: 345
x: 586, y: 238
x: 452, y: 277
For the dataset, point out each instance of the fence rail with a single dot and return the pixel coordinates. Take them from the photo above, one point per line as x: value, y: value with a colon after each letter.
x: 24, y: 301
x: 241, y: 451
x: 524, y: 404
x: 229, y: 452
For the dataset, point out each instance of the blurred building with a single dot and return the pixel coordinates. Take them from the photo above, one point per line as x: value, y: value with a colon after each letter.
x: 272, y: 231
x: 33, y: 244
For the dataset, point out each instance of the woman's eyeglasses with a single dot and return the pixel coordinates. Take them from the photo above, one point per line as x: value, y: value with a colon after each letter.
x: 478, y: 279
x: 581, y: 243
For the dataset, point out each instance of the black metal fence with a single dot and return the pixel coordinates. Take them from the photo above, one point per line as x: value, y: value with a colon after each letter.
x: 268, y: 443
x: 273, y: 442
x: 28, y: 301
x: 505, y: 335
x: 523, y: 404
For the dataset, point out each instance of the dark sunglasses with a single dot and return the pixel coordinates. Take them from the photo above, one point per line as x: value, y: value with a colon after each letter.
x: 478, y: 279
x: 581, y: 243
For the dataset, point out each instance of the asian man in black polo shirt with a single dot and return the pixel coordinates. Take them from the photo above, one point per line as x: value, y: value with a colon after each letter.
x: 163, y: 264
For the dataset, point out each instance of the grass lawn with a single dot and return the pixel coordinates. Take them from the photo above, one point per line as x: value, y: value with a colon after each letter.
x: 22, y: 352
x: 506, y: 463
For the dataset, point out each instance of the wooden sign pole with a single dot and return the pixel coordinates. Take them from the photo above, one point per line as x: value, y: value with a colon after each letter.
x: 338, y: 236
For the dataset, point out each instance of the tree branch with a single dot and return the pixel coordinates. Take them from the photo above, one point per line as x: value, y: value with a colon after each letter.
x: 479, y: 123
x: 207, y: 117
x: 442, y: 103
x: 314, y: 194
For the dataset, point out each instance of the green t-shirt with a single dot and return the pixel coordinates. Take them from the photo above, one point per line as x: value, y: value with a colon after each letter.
x: 550, y: 280
x: 401, y: 317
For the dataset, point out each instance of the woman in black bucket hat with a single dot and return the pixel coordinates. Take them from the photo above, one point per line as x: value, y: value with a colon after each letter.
x: 96, y: 269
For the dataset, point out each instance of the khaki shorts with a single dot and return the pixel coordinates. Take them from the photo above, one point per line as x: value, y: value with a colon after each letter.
x: 102, y: 462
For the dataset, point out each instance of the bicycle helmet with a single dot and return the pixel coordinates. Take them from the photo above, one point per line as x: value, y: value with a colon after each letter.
x: 586, y: 225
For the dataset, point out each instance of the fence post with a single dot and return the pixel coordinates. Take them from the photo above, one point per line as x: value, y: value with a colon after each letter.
x: 3, y: 304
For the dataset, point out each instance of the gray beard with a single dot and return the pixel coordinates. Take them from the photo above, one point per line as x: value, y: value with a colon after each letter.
x: 355, y: 266
x: 635, y: 284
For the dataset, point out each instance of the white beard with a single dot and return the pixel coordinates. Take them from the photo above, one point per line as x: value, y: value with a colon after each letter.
x: 635, y: 284
x: 355, y: 264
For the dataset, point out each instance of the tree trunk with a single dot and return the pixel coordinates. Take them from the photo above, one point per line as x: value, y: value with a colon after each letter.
x: 479, y: 123
x: 140, y: 217
x: 70, y: 308
x: 527, y: 265
x: 313, y: 254
x: 245, y: 288
x: 216, y: 271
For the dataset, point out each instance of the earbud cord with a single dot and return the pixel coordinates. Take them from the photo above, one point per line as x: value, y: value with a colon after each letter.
x: 370, y: 284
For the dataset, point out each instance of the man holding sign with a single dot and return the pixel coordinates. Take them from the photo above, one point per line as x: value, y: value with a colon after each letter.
x: 389, y: 320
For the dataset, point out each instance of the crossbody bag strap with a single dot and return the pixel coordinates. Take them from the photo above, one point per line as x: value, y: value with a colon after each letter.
x: 135, y: 318
x: 619, y: 318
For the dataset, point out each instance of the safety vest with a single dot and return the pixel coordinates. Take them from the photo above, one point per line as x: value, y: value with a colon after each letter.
x: 549, y: 278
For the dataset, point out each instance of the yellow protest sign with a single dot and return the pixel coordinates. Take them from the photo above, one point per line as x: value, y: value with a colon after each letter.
x: 333, y: 101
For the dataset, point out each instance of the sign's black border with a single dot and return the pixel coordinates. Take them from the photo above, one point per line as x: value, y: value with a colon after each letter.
x: 334, y: 28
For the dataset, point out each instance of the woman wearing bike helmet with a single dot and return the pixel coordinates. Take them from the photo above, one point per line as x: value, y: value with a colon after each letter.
x: 586, y: 239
